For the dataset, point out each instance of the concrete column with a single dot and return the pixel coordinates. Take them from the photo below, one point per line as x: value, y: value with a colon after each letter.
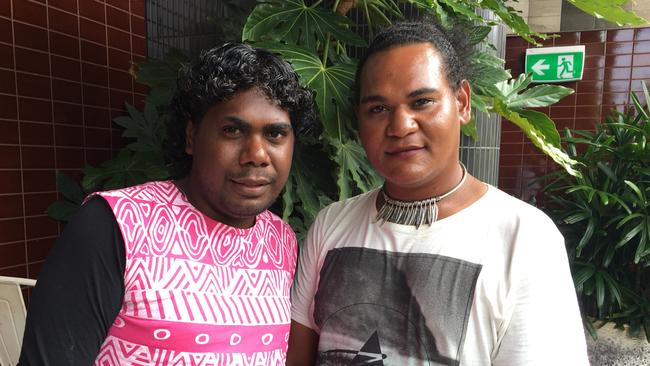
x: 545, y: 15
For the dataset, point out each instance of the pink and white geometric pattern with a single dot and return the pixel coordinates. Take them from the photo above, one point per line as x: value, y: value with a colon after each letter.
x: 198, y: 292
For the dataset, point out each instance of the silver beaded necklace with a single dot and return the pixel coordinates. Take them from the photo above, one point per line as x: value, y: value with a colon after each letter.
x: 416, y: 213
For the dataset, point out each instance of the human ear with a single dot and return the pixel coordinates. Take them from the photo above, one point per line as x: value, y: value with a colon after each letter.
x: 464, y: 102
x: 189, y: 138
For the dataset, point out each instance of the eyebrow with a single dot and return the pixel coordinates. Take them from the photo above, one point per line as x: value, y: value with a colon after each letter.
x: 372, y: 98
x: 418, y: 92
x: 415, y: 93
x: 245, y: 125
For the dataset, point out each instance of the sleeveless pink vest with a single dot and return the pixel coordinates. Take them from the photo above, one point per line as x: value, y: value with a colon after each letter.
x: 198, y: 292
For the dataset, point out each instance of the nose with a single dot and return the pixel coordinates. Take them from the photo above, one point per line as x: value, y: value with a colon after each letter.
x: 254, y: 152
x: 402, y: 122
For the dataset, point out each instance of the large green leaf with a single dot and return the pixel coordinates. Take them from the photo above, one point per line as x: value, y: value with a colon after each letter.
x: 509, y: 88
x: 538, y: 96
x: 511, y: 18
x: 377, y: 13
x: 464, y: 8
x: 477, y: 34
x: 487, y: 70
x: 480, y: 102
x: 442, y: 8
x: 147, y: 128
x: 469, y: 129
x: 62, y: 210
x: 486, y: 58
x: 70, y: 189
x: 302, y: 197
x: 294, y: 22
x: 160, y: 76
x: 332, y: 84
x: 126, y: 169
x: 541, y: 131
x: 353, y: 166
x: 610, y: 10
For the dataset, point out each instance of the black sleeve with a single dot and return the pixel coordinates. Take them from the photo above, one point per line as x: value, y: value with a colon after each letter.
x: 79, y: 291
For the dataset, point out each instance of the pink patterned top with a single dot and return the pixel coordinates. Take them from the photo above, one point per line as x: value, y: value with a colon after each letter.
x: 198, y: 292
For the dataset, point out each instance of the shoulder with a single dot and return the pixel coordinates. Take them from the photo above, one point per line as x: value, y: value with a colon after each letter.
x: 157, y: 191
x: 271, y: 221
x: 513, y: 224
x: 339, y: 221
x: 348, y: 209
x: 270, y: 218
x: 512, y: 210
x: 94, y: 210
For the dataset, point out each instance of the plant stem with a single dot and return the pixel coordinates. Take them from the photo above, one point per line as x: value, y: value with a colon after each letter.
x: 366, y: 13
x: 316, y: 4
x: 327, y: 47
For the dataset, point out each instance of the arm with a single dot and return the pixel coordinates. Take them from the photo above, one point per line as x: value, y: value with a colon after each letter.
x: 303, y: 339
x: 79, y: 291
x: 303, y: 345
x: 545, y: 326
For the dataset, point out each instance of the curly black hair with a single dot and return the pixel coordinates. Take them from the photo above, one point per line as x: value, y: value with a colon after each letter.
x: 217, y: 76
x: 451, y: 44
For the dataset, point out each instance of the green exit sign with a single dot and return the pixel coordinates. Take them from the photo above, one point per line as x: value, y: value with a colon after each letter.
x: 555, y: 64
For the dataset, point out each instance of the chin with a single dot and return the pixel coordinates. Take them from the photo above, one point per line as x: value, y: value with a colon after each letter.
x: 248, y: 210
x: 406, y: 179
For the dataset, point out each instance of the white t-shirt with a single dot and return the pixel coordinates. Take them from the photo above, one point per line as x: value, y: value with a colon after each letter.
x: 489, y: 285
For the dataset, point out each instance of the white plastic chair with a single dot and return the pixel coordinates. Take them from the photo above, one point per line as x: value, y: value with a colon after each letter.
x: 12, y: 318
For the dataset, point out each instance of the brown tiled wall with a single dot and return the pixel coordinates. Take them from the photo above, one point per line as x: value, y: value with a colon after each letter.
x: 615, y: 63
x: 63, y: 77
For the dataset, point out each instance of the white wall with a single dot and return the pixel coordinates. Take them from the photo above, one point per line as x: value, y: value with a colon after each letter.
x: 544, y: 16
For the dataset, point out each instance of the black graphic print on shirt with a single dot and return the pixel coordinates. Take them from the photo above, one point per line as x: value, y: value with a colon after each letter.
x: 384, y: 308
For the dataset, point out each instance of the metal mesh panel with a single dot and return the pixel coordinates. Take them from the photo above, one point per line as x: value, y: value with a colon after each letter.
x: 187, y: 25
x: 482, y: 156
x: 361, y: 27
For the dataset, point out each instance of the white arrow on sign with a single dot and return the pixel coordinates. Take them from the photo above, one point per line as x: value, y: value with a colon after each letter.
x: 540, y: 66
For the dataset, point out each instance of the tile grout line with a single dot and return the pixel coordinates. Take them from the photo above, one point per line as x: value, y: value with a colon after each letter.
x: 54, y: 146
x: 70, y: 13
x: 131, y: 57
x: 577, y: 89
x: 629, y: 86
x: 78, y: 58
x: 110, y: 104
x: 22, y: 176
x: 83, y: 104
x: 69, y: 81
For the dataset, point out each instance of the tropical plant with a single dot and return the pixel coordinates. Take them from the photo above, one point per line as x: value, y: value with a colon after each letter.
x: 604, y: 215
x: 317, y: 39
x: 611, y: 10
x: 142, y: 159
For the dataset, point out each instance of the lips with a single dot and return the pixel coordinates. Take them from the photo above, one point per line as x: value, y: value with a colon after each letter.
x: 404, y: 150
x: 251, y: 186
x: 252, y: 181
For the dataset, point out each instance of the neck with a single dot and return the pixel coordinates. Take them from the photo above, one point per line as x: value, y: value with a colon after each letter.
x: 417, y: 212
x: 193, y: 196
x: 447, y: 178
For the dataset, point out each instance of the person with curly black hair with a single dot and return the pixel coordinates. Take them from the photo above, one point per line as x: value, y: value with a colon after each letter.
x: 193, y: 270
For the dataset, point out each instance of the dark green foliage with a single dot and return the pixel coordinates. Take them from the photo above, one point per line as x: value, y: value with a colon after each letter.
x: 142, y: 159
x: 605, y: 216
x: 316, y: 37
x: 72, y: 194
x: 316, y: 40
